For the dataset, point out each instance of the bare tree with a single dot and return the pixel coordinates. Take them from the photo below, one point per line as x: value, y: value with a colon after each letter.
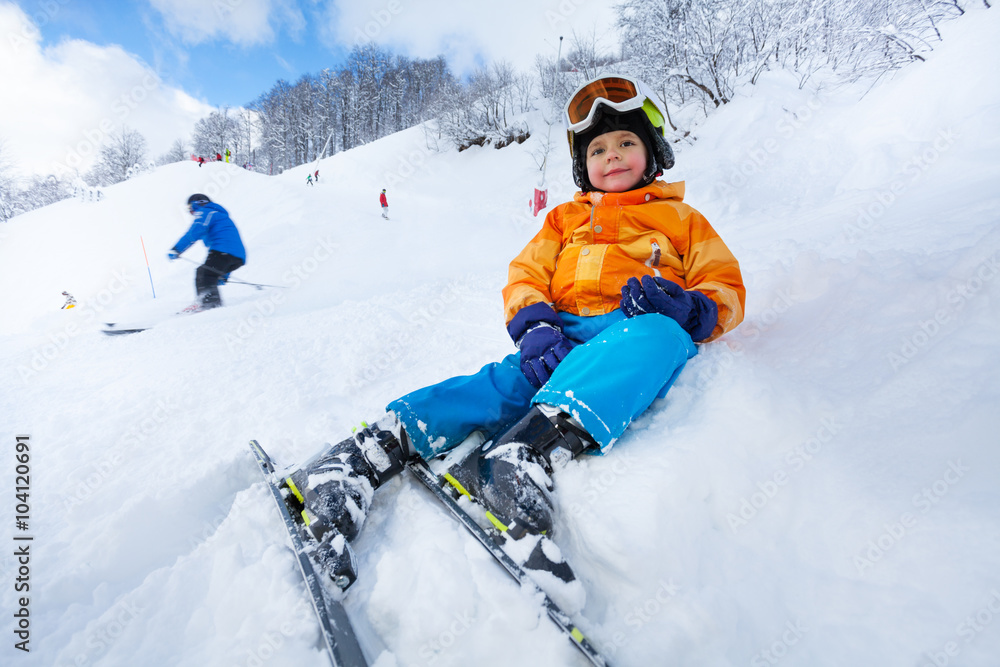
x: 122, y: 152
x: 703, y: 50
x: 216, y: 133
x: 485, y: 110
x: 586, y: 56
x: 42, y: 191
x: 178, y: 152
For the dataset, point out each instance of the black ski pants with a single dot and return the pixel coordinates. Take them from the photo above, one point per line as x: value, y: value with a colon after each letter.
x: 206, y: 279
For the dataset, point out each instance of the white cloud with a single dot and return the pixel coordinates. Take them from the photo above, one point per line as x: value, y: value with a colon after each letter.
x: 467, y: 32
x: 61, y: 102
x: 243, y: 22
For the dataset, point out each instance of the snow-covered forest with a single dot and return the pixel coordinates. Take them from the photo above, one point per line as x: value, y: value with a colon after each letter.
x: 696, y: 54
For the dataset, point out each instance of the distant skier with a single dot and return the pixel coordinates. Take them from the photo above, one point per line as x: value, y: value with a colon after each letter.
x: 316, y: 176
x: 385, y: 205
x: 70, y: 301
x: 201, y: 160
x: 309, y: 179
x: 228, y: 155
x: 218, y: 157
x: 213, y: 227
x: 605, y: 305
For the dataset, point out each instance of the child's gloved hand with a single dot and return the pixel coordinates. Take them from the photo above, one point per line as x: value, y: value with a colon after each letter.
x: 542, y: 348
x: 695, y: 312
x: 537, y: 331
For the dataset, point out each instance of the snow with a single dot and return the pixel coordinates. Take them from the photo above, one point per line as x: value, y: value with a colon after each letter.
x: 818, y: 488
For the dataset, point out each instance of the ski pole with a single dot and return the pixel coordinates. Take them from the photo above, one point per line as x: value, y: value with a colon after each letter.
x: 259, y: 286
x: 147, y: 266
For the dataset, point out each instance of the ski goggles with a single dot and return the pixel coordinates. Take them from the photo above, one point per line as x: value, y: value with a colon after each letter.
x: 620, y: 93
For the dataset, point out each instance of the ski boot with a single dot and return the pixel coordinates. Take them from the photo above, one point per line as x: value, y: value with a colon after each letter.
x: 334, y: 489
x: 511, y: 476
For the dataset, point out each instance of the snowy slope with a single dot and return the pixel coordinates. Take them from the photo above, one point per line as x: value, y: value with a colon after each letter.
x: 818, y: 489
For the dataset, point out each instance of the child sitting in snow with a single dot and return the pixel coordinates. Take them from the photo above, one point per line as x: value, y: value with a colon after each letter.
x: 605, y: 305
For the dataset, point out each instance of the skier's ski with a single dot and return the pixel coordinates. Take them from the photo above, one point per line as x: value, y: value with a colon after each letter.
x: 338, y: 635
x: 110, y: 330
x: 422, y: 471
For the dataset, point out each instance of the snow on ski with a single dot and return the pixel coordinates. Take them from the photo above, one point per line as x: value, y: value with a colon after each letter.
x: 338, y: 634
x: 422, y: 471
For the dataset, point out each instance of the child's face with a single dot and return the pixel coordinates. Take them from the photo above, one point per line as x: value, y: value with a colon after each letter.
x: 616, y: 161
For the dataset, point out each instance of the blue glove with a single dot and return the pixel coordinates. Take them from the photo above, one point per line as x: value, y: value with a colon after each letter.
x: 695, y: 312
x: 172, y: 255
x: 537, y: 331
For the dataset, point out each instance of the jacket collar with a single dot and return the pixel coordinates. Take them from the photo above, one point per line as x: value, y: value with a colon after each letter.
x: 655, y: 190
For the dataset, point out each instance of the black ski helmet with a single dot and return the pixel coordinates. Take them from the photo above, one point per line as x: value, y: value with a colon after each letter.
x: 198, y: 199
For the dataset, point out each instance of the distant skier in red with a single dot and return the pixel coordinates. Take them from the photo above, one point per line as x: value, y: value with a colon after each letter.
x: 385, y: 205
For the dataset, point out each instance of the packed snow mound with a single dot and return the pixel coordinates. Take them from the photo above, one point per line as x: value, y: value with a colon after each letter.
x: 818, y: 488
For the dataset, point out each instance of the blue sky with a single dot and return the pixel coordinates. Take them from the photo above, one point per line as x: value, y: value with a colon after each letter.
x: 218, y: 70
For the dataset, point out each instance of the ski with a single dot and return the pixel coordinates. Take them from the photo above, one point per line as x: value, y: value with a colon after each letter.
x: 338, y: 634
x: 562, y: 620
x: 116, y: 329
x: 110, y: 330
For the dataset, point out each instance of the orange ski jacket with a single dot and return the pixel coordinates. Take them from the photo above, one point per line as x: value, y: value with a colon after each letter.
x: 588, y: 248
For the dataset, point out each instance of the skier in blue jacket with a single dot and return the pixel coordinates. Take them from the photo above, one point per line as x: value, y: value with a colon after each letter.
x: 213, y: 227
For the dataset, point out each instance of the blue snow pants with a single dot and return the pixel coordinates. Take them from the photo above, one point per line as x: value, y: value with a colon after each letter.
x: 615, y: 372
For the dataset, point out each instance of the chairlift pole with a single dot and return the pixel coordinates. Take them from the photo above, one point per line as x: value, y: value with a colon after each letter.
x: 548, y: 138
